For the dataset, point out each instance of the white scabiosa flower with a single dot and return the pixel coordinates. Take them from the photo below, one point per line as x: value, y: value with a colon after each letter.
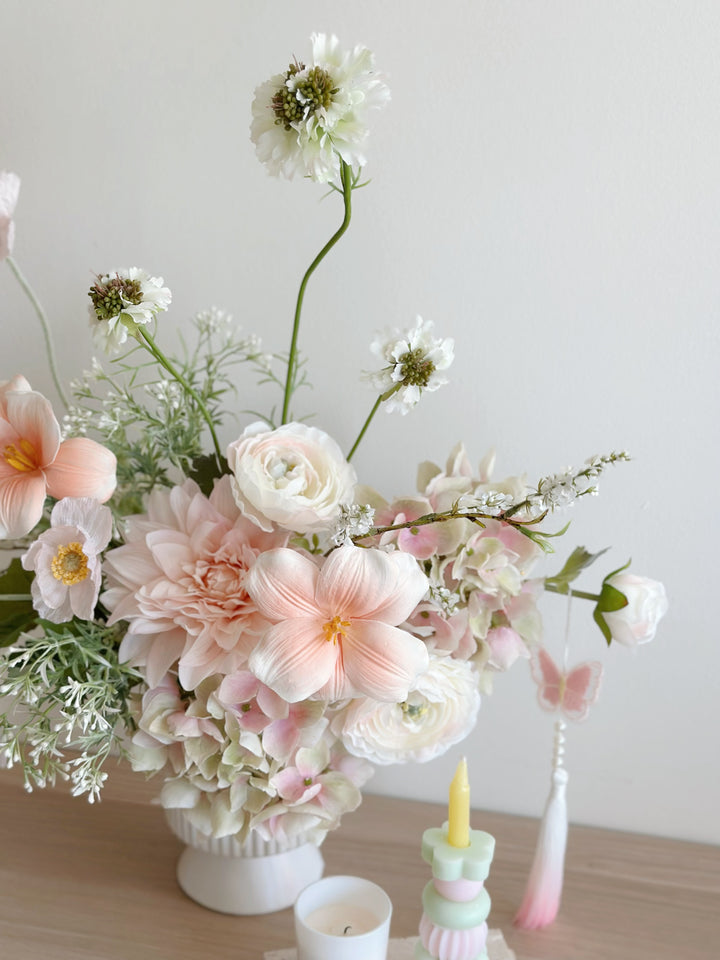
x: 66, y: 560
x: 414, y: 361
x: 123, y: 301
x: 439, y: 712
x: 306, y: 119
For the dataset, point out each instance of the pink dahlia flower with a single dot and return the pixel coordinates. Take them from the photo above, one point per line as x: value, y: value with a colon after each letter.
x: 180, y: 582
x: 334, y: 632
x: 34, y: 462
x: 66, y: 560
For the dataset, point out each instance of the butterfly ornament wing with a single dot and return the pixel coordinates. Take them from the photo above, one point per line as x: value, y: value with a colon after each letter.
x: 573, y: 693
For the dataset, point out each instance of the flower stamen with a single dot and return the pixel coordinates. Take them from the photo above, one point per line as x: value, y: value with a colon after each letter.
x: 70, y: 564
x: 110, y: 294
x: 297, y: 99
x: 416, y: 368
x: 334, y: 629
x: 24, y: 459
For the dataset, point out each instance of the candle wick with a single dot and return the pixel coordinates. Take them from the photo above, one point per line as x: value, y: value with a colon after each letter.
x: 348, y: 927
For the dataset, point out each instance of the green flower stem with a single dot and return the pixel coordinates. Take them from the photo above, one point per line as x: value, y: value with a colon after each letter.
x: 15, y: 597
x: 582, y: 594
x: 374, y: 410
x: 187, y: 387
x: 347, y: 185
x: 30, y: 293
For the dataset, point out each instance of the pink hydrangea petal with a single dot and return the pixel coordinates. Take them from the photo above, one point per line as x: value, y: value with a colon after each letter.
x: 238, y: 688
x: 282, y: 584
x: 383, y: 662
x: 293, y: 658
x: 82, y: 468
x: 22, y: 499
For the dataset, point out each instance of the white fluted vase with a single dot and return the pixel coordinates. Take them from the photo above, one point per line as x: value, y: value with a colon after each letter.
x: 254, y: 877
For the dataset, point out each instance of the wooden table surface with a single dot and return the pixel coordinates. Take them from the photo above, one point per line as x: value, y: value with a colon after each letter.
x: 98, y: 883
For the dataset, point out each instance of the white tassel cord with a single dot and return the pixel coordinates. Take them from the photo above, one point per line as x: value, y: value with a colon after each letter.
x: 544, y: 887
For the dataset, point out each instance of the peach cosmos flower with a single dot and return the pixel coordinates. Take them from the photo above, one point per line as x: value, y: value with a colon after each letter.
x: 335, y: 631
x: 35, y: 463
x: 180, y: 583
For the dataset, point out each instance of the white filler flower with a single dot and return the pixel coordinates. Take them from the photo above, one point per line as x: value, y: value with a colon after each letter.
x: 123, y: 301
x: 308, y: 118
x: 414, y: 360
x: 440, y: 712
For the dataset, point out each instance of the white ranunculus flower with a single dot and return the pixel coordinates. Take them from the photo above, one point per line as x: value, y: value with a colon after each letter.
x: 646, y: 605
x: 295, y: 476
x: 440, y: 712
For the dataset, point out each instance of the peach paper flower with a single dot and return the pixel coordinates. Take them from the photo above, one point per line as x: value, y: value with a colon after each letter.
x: 34, y: 463
x: 335, y: 631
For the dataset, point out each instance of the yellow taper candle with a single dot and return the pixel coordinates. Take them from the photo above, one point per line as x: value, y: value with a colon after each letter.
x: 459, y: 808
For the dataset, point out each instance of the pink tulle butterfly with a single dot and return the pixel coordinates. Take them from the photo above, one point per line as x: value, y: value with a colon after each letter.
x: 573, y: 692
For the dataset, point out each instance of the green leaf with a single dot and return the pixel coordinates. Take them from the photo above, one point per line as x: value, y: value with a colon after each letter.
x: 610, y: 599
x: 600, y: 621
x: 16, y: 616
x: 578, y: 561
x: 205, y: 471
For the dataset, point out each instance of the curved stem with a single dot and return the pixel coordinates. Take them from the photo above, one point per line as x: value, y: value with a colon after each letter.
x: 582, y: 594
x: 187, y: 387
x: 374, y: 410
x: 30, y: 293
x: 346, y: 180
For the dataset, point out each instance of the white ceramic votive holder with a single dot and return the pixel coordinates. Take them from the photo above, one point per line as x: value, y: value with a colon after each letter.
x: 342, y: 918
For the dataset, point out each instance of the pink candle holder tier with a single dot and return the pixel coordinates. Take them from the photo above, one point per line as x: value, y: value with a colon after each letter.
x: 455, y: 902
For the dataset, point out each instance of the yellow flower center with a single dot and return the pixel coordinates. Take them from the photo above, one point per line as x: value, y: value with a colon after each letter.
x: 22, y: 457
x: 70, y: 564
x: 334, y: 629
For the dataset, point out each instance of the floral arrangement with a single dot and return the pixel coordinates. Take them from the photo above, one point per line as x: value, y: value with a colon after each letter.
x: 246, y: 619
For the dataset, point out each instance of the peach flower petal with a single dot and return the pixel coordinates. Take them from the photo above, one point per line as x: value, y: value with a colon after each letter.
x: 294, y: 659
x: 82, y: 468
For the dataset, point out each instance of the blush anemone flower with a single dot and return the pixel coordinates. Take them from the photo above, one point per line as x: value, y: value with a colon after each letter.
x: 66, y: 560
x: 335, y: 628
x: 9, y: 191
x: 35, y: 463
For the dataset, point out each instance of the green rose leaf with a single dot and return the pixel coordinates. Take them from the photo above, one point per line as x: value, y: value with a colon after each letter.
x: 578, y: 561
x: 610, y: 599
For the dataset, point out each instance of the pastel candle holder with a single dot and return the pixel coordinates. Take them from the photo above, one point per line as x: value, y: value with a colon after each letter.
x: 455, y: 902
x: 342, y: 918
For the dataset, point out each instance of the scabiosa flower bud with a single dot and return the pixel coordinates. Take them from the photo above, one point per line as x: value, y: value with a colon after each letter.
x: 123, y: 301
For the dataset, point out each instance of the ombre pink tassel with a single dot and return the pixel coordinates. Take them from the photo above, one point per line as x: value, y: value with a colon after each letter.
x: 544, y: 887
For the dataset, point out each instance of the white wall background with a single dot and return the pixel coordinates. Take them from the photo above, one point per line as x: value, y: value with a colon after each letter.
x: 545, y: 188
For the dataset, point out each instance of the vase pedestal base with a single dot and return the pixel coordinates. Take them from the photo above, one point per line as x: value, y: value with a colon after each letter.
x: 248, y: 885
